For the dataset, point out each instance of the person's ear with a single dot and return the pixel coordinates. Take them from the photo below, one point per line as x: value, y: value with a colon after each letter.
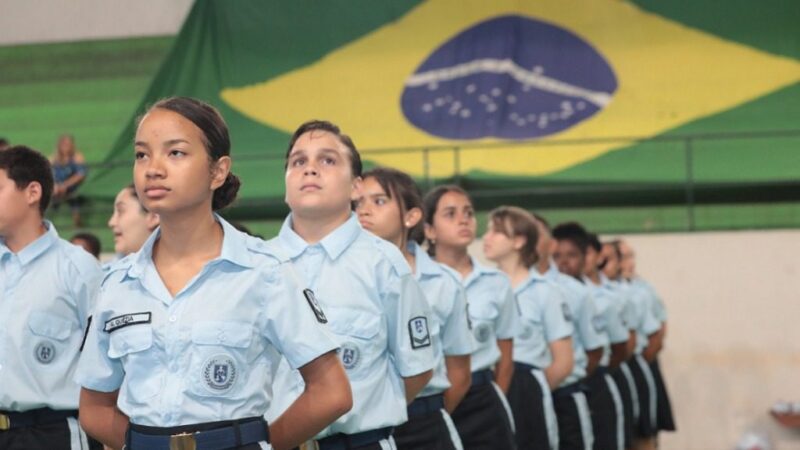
x: 412, y: 217
x: 356, y: 188
x: 430, y: 232
x: 220, y: 171
x: 33, y: 193
x: 519, y: 242
x: 152, y: 221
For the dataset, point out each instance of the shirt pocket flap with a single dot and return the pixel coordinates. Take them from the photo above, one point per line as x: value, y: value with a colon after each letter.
x: 229, y: 334
x: 484, y: 312
x: 353, y: 322
x: 50, y: 325
x: 130, y: 340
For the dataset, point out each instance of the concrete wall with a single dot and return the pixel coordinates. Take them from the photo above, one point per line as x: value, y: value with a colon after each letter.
x: 32, y: 21
x: 733, y: 345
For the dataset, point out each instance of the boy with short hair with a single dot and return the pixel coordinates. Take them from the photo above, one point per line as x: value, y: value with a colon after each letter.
x: 361, y: 286
x: 47, y: 291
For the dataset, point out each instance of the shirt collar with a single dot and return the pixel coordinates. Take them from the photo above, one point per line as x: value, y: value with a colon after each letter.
x: 335, y: 243
x: 35, y: 248
x: 478, y: 270
x: 234, y: 249
x: 425, y: 264
x: 533, y: 277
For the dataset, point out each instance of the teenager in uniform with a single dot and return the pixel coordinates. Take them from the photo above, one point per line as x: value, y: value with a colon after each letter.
x: 389, y: 204
x: 188, y: 330
x: 543, y: 355
x: 664, y: 417
x: 364, y: 284
x: 615, y: 321
x: 483, y: 418
x: 569, y: 399
x: 131, y: 224
x: 647, y: 338
x: 47, y: 291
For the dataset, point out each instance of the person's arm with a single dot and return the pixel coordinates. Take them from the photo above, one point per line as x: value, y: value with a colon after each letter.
x: 414, y: 384
x: 326, y: 397
x: 101, y: 419
x: 593, y: 360
x: 619, y: 353
x: 78, y: 176
x: 563, y: 362
x: 655, y: 342
x: 504, y: 369
x: 460, y: 375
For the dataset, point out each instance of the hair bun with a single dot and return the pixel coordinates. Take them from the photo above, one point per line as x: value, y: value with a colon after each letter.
x: 226, y: 194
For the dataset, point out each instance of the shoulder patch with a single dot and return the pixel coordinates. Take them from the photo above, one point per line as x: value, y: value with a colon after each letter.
x: 125, y: 320
x: 567, y: 312
x: 315, y: 306
x: 418, y: 330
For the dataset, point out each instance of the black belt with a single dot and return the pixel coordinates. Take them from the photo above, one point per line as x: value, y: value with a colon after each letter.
x: 484, y: 376
x: 423, y: 406
x: 214, y: 436
x: 42, y: 416
x: 569, y: 389
x: 343, y: 441
x: 524, y: 367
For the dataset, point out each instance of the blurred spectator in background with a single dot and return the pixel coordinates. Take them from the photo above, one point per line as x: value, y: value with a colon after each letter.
x: 89, y: 242
x: 4, y: 144
x: 69, y: 171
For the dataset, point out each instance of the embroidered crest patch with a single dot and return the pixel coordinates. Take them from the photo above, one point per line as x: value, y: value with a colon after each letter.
x: 45, y: 352
x: 418, y: 329
x: 567, y: 312
x: 350, y: 355
x: 314, y: 304
x: 482, y: 332
x: 115, y: 323
x: 219, y: 373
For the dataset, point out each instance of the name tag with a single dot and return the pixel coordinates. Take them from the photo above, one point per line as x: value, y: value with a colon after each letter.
x: 115, y: 323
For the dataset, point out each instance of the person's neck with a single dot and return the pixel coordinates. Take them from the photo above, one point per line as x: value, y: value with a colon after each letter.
x: 595, y: 277
x: 25, y: 233
x: 456, y: 258
x: 314, y: 228
x: 512, y: 266
x: 402, y: 243
x: 190, y: 235
x: 544, y: 264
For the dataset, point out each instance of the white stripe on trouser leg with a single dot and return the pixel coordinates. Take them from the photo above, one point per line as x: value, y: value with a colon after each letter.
x: 585, y: 418
x: 263, y: 445
x: 388, y: 444
x: 451, y: 429
x: 549, y: 410
x: 651, y: 390
x: 74, y: 434
x: 506, y: 406
x: 612, y: 387
x: 626, y: 371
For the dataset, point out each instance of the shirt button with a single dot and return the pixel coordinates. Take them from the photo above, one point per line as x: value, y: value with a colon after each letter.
x: 173, y: 318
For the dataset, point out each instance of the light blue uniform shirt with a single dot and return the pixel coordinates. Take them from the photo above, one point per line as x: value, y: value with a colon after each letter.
x: 609, y: 318
x: 449, y: 321
x: 646, y: 313
x: 209, y: 353
x: 493, y: 313
x: 375, y: 308
x: 581, y: 305
x: 545, y: 317
x: 47, y: 292
x: 659, y: 311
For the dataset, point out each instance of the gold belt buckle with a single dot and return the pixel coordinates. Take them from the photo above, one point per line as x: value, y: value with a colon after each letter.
x: 183, y: 441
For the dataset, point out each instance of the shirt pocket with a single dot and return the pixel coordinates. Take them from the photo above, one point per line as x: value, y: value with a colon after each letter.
x: 50, y: 341
x: 134, y: 347
x: 361, y: 344
x: 220, y: 358
x: 483, y: 319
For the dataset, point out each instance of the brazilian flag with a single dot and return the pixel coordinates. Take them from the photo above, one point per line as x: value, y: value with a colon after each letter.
x: 501, y: 95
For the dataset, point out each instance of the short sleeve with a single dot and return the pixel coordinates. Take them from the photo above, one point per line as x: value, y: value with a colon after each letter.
x: 617, y: 330
x: 408, y: 317
x: 557, y: 320
x: 96, y: 370
x: 295, y: 322
x: 507, y: 321
x: 649, y: 322
x: 456, y: 336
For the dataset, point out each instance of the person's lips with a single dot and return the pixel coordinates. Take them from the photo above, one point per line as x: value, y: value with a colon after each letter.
x: 310, y: 187
x: 156, y: 191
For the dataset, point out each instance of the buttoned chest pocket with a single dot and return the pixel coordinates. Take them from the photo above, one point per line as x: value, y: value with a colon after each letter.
x: 220, y: 358
x: 361, y: 344
x: 133, y: 346
x: 483, y: 317
x: 50, y: 346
